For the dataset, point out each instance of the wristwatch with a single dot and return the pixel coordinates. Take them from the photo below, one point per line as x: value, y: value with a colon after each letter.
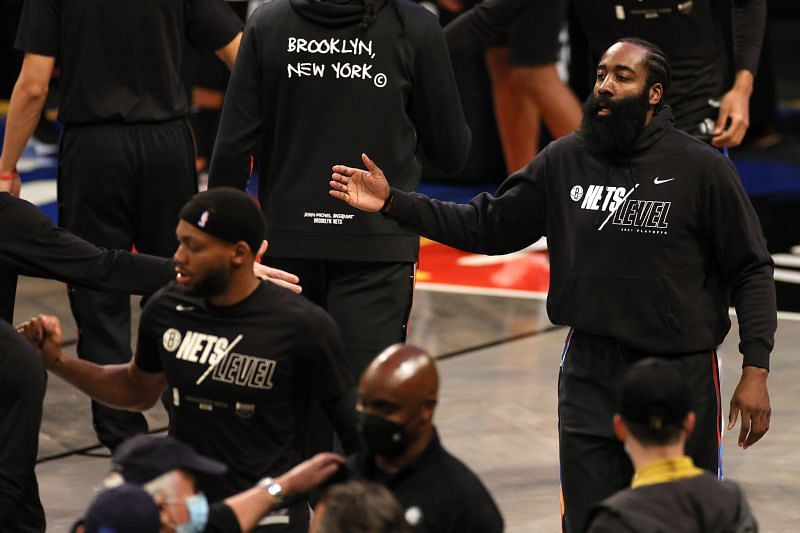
x: 273, y: 489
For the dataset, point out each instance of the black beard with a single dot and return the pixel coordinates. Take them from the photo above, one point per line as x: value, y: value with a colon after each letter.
x: 617, y: 131
x: 212, y: 284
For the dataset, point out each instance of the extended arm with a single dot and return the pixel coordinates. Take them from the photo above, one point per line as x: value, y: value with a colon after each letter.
x: 488, y: 224
x: 25, y: 107
x: 749, y: 21
x: 122, y: 386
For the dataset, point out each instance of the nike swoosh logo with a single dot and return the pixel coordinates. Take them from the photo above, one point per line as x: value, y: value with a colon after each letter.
x: 181, y: 307
x: 658, y: 181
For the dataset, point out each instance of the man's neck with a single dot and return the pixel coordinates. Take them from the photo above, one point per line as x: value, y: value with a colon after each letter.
x: 242, y: 284
x: 412, y: 453
x: 643, y: 456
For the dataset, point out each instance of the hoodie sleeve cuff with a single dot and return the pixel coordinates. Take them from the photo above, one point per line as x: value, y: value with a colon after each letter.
x: 401, y: 206
x: 755, y: 354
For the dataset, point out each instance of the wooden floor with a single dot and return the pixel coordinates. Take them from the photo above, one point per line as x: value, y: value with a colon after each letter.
x: 497, y: 411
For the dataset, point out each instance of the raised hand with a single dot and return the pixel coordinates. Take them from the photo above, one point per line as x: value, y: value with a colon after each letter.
x: 45, y: 332
x: 279, y: 277
x: 310, y: 473
x: 363, y: 189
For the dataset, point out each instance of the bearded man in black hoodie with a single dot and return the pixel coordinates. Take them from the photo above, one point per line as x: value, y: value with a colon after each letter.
x: 650, y: 235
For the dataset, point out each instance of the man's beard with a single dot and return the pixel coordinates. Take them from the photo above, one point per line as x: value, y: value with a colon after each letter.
x: 617, y: 131
x: 213, y: 283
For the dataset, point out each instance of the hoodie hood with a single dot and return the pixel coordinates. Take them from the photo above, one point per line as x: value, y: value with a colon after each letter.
x: 333, y: 12
x: 662, y: 119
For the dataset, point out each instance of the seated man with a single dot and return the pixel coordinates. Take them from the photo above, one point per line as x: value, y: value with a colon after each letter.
x: 174, y: 475
x: 669, y: 493
x: 397, y: 397
x: 242, y: 358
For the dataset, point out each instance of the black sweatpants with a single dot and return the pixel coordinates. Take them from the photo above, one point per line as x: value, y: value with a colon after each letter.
x: 121, y: 185
x: 370, y: 302
x: 594, y: 464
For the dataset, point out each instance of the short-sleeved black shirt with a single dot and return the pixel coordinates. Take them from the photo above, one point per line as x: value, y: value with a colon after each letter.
x: 249, y: 410
x: 121, y: 61
x: 439, y: 493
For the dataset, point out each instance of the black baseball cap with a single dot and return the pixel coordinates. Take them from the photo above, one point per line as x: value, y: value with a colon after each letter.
x: 123, y: 509
x: 654, y: 394
x: 145, y: 457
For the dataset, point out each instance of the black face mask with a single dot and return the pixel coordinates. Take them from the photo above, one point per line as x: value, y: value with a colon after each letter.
x: 380, y: 436
x: 618, y: 131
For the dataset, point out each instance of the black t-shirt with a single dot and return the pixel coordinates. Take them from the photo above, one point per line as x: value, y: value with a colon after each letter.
x: 438, y: 493
x: 121, y: 61
x: 249, y: 408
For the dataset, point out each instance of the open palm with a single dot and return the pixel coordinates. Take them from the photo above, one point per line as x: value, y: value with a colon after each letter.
x: 363, y: 189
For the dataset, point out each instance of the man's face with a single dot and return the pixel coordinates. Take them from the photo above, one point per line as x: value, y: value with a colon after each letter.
x: 621, y: 103
x: 401, y: 403
x: 203, y: 262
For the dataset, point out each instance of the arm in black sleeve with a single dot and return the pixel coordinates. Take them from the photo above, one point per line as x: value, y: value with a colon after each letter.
x: 240, y: 122
x: 212, y: 25
x: 36, y: 248
x: 327, y: 376
x: 484, y: 23
x: 509, y: 221
x: 741, y: 252
x: 749, y: 22
x: 436, y: 109
x: 341, y: 412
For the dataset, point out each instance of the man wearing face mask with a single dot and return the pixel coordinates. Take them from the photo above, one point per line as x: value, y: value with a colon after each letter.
x: 651, y: 237
x: 176, y: 478
x: 397, y: 396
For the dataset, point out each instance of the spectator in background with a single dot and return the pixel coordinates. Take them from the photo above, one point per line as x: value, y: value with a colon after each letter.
x: 523, y: 48
x: 669, y: 493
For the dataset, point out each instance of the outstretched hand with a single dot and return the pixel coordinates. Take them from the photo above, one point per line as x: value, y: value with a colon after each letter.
x: 366, y: 190
x: 751, y: 399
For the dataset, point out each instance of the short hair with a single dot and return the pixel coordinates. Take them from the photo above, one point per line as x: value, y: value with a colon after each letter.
x: 361, y: 507
x: 656, y: 63
x: 649, y: 436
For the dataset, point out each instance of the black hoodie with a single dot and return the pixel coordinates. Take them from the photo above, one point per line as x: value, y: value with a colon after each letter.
x: 646, y: 248
x: 311, y: 89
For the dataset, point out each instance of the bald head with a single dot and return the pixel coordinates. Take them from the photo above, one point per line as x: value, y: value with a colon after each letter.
x: 405, y: 371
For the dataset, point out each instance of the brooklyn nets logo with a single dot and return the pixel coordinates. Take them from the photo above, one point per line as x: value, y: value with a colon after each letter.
x: 172, y: 339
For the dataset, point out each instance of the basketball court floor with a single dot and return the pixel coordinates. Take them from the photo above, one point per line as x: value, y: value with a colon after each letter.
x: 498, y: 356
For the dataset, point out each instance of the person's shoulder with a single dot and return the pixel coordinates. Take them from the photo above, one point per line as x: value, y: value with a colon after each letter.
x: 465, y: 482
x: 265, y: 13
x: 420, y: 22
x: 693, y: 148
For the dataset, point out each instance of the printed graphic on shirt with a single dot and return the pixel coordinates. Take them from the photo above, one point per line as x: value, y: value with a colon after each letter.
x: 627, y: 213
x: 350, y: 59
x: 222, y: 364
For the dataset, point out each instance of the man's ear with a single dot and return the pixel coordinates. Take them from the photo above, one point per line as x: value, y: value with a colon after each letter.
x: 688, y: 424
x: 241, y: 251
x: 428, y: 407
x: 619, y: 428
x: 655, y: 94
